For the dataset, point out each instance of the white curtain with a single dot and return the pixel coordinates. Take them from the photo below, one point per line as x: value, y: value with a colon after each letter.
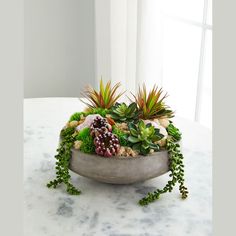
x: 166, y: 42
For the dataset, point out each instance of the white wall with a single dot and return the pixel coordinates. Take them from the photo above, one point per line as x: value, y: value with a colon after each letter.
x: 59, y: 47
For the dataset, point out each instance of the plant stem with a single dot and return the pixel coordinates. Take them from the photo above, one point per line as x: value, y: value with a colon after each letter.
x: 62, y: 164
x: 177, y: 174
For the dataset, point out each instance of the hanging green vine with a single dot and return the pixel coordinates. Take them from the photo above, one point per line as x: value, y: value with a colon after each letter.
x: 62, y: 164
x: 177, y: 174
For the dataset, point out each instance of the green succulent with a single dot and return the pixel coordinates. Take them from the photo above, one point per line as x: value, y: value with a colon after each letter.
x: 122, y: 112
x: 174, y: 132
x: 143, y: 137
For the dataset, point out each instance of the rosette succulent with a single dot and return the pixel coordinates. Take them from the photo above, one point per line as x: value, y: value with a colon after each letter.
x: 121, y: 112
x: 143, y: 137
x: 174, y: 132
x: 106, y: 144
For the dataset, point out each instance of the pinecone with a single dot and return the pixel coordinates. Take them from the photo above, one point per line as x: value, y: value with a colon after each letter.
x: 106, y: 144
x: 99, y: 125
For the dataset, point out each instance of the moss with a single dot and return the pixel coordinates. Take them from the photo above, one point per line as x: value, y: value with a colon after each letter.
x: 83, y: 134
x: 101, y: 111
x: 121, y: 135
x: 87, y: 145
x: 76, y: 116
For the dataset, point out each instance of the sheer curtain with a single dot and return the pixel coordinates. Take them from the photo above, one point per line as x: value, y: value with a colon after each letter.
x: 167, y: 42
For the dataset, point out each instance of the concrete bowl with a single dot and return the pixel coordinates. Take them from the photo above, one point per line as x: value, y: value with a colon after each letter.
x: 119, y: 170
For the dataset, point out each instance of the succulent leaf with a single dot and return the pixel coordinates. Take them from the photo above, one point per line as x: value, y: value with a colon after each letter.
x: 133, y: 139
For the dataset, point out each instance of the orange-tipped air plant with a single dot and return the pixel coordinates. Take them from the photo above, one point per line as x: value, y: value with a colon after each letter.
x: 152, y: 105
x: 104, y: 98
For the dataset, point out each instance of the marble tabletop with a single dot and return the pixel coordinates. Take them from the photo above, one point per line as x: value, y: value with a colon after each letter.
x: 104, y: 209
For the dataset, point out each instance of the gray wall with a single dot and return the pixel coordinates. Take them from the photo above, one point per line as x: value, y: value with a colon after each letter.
x: 59, y: 47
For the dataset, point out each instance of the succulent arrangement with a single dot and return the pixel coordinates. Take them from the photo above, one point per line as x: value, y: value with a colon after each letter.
x: 118, y: 130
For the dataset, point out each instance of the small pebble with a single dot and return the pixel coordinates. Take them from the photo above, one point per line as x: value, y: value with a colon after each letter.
x: 73, y: 123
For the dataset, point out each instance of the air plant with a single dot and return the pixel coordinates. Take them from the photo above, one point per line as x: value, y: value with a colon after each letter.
x: 152, y: 104
x: 143, y: 137
x: 123, y: 113
x: 105, y: 98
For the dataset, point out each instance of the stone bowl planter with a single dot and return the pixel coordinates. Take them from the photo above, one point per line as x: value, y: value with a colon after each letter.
x: 119, y: 170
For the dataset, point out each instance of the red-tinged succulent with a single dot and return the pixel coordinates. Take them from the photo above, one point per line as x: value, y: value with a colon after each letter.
x: 152, y: 104
x: 99, y: 125
x: 106, y: 144
x: 105, y: 98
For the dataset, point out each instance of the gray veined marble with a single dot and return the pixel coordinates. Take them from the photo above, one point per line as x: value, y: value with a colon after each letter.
x: 107, y: 209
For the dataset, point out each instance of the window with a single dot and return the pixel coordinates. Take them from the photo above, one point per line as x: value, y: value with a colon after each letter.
x: 186, y: 41
x: 187, y: 57
x: 167, y: 42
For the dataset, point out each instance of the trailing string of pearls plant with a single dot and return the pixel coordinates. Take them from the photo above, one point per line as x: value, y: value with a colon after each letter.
x: 114, y: 130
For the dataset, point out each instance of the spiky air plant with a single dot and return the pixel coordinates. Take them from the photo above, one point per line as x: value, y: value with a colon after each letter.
x: 104, y: 98
x: 152, y: 104
x: 121, y: 112
x: 107, y: 144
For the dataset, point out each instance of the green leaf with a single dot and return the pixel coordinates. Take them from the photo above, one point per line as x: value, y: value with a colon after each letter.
x: 137, y: 146
x: 133, y: 139
x: 132, y: 126
x: 144, y: 151
x: 148, y: 125
x: 141, y: 125
x: 156, y: 147
x: 133, y: 132
x: 145, y: 145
